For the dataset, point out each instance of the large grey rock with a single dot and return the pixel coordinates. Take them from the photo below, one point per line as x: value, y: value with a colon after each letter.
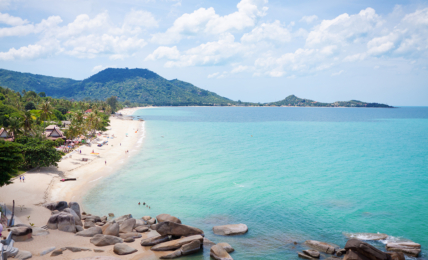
x: 357, y: 249
x: 191, y: 248
x: 58, y: 205
x: 75, y: 206
x: 151, y: 221
x: 305, y: 256
x: 312, y: 253
x: 146, y: 218
x: 105, y: 240
x: 174, y: 254
x: 90, y: 232
x: 226, y: 247
x: 22, y: 255
x: 208, y: 243
x: 66, y: 222
x: 123, y: 249
x: 77, y: 249
x: 94, y: 219
x: 228, y: 230
x: 21, y: 233
x: 321, y: 246
x: 140, y: 222
x: 79, y: 228
x: 142, y: 229
x: 127, y: 225
x: 397, y: 256
x: 89, y: 223
x: 167, y: 218
x: 130, y: 235
x: 217, y: 252
x: 151, y: 241
x: 408, y: 248
x: 47, y: 251
x: 122, y: 218
x: 39, y: 231
x: 175, y: 244
x: 104, y: 219
x: 112, y: 230
x: 175, y: 229
x: 77, y: 220
x: 53, y: 222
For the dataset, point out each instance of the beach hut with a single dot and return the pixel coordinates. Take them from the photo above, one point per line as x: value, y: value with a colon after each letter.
x: 53, y: 133
x: 4, y: 135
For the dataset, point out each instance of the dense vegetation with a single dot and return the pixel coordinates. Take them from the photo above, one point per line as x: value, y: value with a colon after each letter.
x: 292, y: 100
x: 134, y: 86
x: 25, y: 115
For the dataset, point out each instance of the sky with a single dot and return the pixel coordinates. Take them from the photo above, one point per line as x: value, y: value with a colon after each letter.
x: 249, y: 50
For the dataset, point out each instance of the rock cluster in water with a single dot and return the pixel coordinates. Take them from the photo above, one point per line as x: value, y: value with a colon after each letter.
x: 172, y: 237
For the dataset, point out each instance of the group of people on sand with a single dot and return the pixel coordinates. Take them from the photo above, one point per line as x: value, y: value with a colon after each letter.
x: 147, y: 206
x: 22, y: 178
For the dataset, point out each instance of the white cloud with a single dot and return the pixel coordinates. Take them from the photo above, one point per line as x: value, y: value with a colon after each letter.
x: 26, y: 52
x: 98, y: 68
x: 268, y: 32
x: 419, y: 17
x: 309, y: 19
x: 337, y: 73
x: 164, y: 52
x: 213, y: 75
x: 11, y: 20
x: 206, y: 21
x: 344, y: 27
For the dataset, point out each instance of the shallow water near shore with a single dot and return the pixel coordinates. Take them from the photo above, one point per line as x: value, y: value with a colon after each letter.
x: 290, y: 174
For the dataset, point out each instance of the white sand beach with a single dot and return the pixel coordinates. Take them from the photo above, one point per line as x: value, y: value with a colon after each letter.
x: 44, y: 185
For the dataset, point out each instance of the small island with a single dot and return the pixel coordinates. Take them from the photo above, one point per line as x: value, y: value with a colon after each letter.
x: 293, y: 101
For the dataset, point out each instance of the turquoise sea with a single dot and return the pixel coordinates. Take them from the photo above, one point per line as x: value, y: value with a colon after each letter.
x: 290, y: 174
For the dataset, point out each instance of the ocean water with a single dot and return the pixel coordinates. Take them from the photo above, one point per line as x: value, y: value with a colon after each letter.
x: 289, y: 174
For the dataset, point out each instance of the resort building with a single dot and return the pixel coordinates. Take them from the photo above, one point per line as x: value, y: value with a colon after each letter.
x: 53, y: 133
x: 4, y: 135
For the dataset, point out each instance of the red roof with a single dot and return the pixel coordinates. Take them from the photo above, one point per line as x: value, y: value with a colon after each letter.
x: 88, y: 111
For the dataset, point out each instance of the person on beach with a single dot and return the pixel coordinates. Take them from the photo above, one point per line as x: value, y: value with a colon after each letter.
x: 105, y: 162
x: 23, y: 178
x: 20, y: 178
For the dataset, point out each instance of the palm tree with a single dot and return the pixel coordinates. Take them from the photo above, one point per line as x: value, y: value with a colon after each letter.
x: 14, y: 127
x: 28, y: 122
x: 46, y: 112
x: 91, y: 119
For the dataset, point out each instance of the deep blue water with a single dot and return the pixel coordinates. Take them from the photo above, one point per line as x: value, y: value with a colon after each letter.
x: 290, y: 174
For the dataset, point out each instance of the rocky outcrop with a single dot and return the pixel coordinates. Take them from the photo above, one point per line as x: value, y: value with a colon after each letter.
x: 58, y: 205
x: 123, y: 249
x: 90, y: 232
x: 408, y: 248
x: 226, y: 247
x: 174, y: 229
x: 397, y: 256
x: 112, y: 229
x: 77, y: 220
x: 120, y: 219
x: 89, y: 223
x: 140, y: 222
x: 21, y: 233
x: 105, y: 240
x: 217, y: 252
x: 75, y: 206
x: 130, y: 235
x: 127, y: 225
x: 228, y: 230
x: 321, y: 246
x: 151, y: 221
x: 151, y: 241
x: 187, y: 249
x: 66, y: 222
x: 175, y: 244
x: 167, y: 218
x: 359, y: 250
x: 142, y: 229
x: 312, y: 253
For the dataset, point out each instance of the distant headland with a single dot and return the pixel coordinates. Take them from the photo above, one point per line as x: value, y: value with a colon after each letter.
x: 142, y: 87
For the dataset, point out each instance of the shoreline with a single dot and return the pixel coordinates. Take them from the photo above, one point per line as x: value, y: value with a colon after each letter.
x: 43, y: 185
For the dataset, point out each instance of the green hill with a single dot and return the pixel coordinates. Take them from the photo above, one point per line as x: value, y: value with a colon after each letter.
x: 136, y: 85
x: 292, y: 100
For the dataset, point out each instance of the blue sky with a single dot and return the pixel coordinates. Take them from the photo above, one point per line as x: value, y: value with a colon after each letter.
x: 252, y: 50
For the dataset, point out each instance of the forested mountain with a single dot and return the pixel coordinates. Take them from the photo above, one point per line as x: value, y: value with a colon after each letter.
x: 292, y: 100
x: 140, y: 86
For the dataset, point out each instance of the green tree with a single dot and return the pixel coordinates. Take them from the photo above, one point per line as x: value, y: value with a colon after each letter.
x: 14, y: 126
x: 27, y: 122
x: 112, y: 102
x: 10, y: 159
x: 59, y: 115
x: 46, y: 111
x: 30, y: 106
x: 39, y: 153
x: 42, y: 94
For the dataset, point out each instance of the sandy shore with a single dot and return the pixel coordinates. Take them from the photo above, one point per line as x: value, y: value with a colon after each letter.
x: 44, y: 185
